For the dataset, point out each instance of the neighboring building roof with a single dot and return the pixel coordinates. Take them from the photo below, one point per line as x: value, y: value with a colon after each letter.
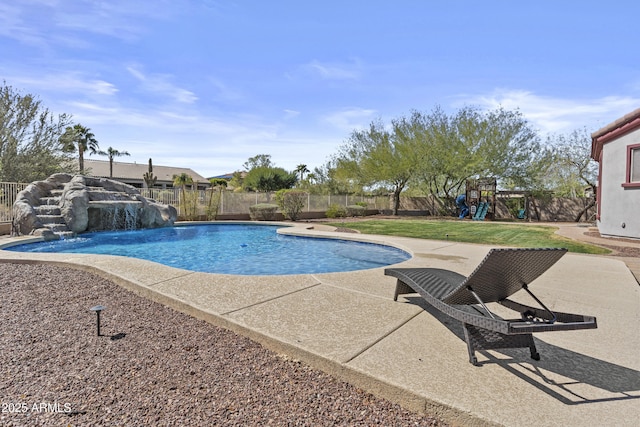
x: 136, y: 171
x: 612, y: 131
x: 226, y: 176
x: 229, y: 176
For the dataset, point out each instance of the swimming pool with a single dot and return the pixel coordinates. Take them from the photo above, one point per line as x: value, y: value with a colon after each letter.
x: 241, y: 249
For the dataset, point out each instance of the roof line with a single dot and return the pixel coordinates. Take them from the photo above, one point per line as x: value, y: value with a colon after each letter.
x: 618, y: 128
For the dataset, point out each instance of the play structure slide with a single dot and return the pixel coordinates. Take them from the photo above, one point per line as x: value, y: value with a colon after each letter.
x: 481, y: 212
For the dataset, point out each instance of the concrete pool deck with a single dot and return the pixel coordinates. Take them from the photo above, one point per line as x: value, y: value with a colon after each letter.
x: 347, y: 324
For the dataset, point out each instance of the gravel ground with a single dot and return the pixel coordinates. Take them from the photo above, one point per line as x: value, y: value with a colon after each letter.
x: 152, y: 365
x: 618, y: 250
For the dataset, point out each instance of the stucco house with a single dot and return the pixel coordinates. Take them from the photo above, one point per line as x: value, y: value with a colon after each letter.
x: 616, y: 147
x: 132, y: 173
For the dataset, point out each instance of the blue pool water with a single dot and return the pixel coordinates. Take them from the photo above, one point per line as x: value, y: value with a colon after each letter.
x: 242, y: 249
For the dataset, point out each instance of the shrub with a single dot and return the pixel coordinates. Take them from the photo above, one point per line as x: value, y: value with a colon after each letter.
x: 355, y: 210
x: 213, y: 205
x: 336, y: 211
x: 291, y: 202
x: 263, y: 212
x: 363, y: 204
x: 189, y: 206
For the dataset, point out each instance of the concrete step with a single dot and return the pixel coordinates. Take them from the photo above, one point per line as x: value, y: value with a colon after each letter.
x: 47, y: 210
x: 50, y: 200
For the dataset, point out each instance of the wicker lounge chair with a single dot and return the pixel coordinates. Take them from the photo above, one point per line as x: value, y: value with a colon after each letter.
x: 502, y: 273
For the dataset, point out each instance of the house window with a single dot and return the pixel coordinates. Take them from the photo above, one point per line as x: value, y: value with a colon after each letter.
x: 633, y: 166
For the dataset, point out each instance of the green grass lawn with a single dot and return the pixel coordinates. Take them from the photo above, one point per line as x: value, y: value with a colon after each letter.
x: 529, y: 236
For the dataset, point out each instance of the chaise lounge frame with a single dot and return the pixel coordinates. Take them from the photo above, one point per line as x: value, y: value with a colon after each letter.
x: 502, y: 273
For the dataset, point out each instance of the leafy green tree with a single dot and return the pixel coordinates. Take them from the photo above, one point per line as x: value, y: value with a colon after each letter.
x: 81, y: 139
x: 29, y: 138
x: 570, y: 169
x: 258, y: 161
x: 262, y: 175
x: 573, y: 169
x: 111, y: 153
x: 326, y: 180
x: 378, y: 157
x: 237, y: 180
x: 268, y: 179
x: 535, y: 177
x: 510, y: 147
x: 472, y: 144
x: 439, y: 152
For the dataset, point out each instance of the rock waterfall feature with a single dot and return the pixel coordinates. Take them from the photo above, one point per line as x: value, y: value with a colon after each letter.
x: 64, y: 205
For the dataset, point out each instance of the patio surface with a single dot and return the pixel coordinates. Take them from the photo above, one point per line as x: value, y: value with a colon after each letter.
x: 347, y: 324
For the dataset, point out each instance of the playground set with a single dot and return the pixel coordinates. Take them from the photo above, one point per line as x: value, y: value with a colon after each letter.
x: 479, y: 200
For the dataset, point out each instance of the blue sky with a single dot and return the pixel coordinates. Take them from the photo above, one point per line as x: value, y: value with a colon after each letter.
x: 207, y: 84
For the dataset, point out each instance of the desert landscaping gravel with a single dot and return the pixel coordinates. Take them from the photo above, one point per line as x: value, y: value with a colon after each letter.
x: 152, y: 365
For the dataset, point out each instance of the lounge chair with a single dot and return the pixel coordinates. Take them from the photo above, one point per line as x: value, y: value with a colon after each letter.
x: 502, y: 273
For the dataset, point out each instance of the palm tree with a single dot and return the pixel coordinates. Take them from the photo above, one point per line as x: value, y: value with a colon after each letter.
x: 81, y: 139
x: 111, y: 152
x: 312, y: 177
x: 302, y: 169
x: 182, y: 181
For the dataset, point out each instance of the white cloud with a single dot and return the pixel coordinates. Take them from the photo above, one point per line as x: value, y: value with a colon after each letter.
x: 290, y: 114
x: 65, y: 82
x: 158, y: 123
x: 13, y: 25
x: 334, y: 71
x: 103, y: 88
x: 94, y: 114
x: 52, y: 24
x: 160, y: 84
x: 557, y: 115
x: 348, y: 120
x: 119, y: 19
x: 224, y: 91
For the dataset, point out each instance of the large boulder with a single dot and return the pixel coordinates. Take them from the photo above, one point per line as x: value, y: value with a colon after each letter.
x: 159, y: 214
x: 74, y: 205
x: 25, y: 219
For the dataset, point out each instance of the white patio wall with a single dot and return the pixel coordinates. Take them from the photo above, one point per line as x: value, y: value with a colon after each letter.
x: 619, y: 206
